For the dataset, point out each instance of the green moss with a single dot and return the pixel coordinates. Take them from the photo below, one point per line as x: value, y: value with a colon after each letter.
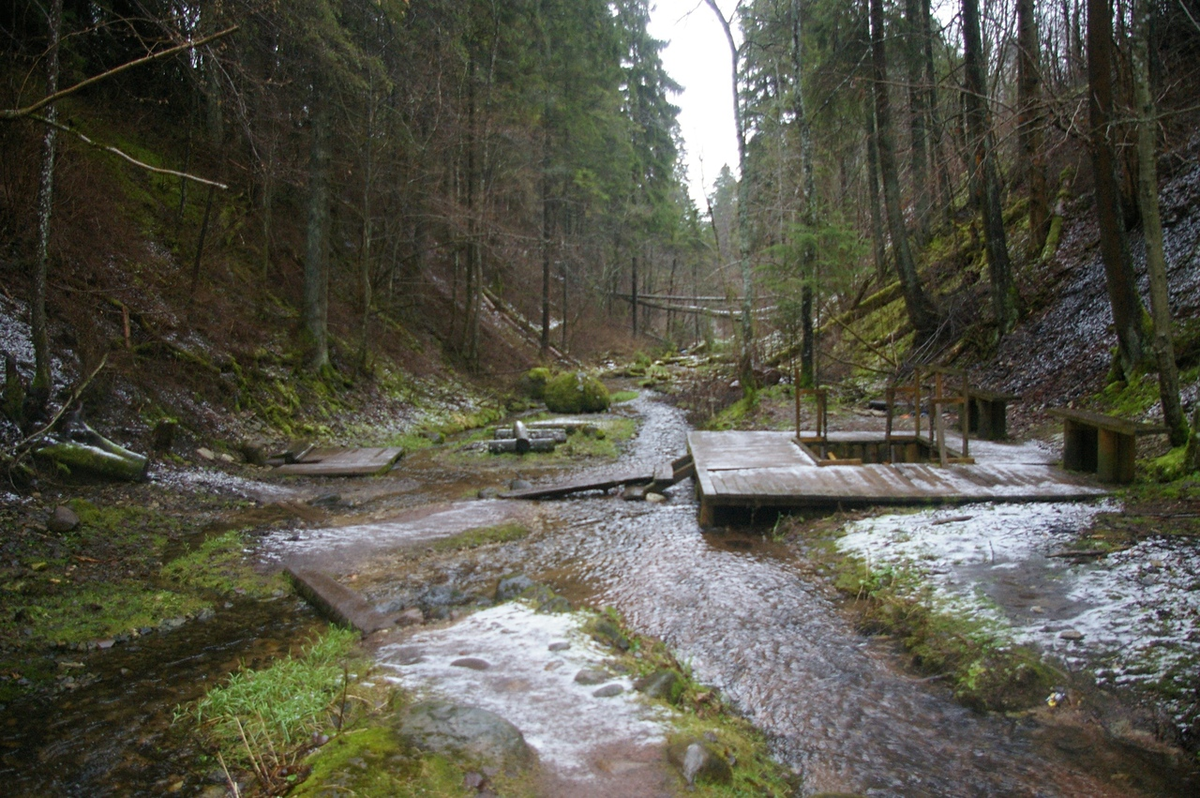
x: 94, y: 611
x: 220, y: 565
x: 624, y: 396
x: 374, y: 763
x: 986, y: 670
x: 533, y: 384
x: 1131, y: 399
x: 482, y: 536
x: 576, y: 392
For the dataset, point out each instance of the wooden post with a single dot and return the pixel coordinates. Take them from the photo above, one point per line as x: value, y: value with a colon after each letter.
x: 521, y: 437
x: 917, y: 400
x: 964, y: 411
x: 796, y: 393
x: 937, y: 426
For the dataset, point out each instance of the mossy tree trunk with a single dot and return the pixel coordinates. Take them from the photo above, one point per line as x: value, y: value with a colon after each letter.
x: 1127, y: 308
x: 1004, y: 292
x: 316, y: 260
x: 1160, y: 308
x: 921, y: 311
x: 1029, y: 125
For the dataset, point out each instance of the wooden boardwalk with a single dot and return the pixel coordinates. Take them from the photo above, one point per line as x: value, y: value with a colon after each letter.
x: 768, y: 469
x: 341, y: 462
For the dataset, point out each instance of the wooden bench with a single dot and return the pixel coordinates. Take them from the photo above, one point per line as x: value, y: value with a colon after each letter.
x: 1100, y: 444
x: 987, y: 413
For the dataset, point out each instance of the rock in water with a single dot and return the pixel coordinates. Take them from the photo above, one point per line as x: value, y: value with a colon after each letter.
x: 446, y: 728
x: 662, y: 684
x: 699, y: 762
x: 512, y: 587
x: 63, y: 520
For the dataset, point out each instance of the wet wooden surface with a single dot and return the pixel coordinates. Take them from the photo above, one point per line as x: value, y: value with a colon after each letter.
x: 751, y: 469
x: 339, y: 462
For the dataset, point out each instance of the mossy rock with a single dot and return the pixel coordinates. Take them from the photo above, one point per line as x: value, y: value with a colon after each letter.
x: 533, y: 382
x: 576, y: 392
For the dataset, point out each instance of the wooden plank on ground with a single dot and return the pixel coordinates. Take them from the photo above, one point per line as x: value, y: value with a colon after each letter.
x: 598, y: 482
x: 337, y: 602
x: 344, y: 462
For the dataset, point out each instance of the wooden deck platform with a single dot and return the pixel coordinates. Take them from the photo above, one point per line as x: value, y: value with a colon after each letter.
x: 768, y: 469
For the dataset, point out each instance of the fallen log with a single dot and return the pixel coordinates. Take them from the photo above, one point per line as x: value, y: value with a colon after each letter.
x: 100, y: 457
x: 509, y: 446
x: 558, y: 435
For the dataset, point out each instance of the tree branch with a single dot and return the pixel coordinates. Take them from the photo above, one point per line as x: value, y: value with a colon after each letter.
x: 9, y: 114
x: 140, y: 164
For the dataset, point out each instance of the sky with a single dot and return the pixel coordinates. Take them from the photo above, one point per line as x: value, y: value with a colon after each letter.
x: 697, y: 57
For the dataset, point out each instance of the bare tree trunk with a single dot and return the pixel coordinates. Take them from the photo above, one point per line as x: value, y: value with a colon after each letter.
x: 1004, y: 292
x: 746, y: 360
x: 917, y: 98
x: 877, y: 234
x: 921, y: 311
x: 937, y: 154
x: 1029, y: 124
x: 808, y: 257
x: 316, y: 260
x: 1160, y: 307
x: 546, y: 221
x: 39, y: 391
x: 364, y: 266
x: 633, y: 289
x: 1127, y: 306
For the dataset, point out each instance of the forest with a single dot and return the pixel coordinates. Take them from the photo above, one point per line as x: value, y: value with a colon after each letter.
x: 235, y: 232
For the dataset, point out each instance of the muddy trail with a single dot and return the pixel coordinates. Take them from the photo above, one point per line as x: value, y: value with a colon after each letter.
x: 750, y: 616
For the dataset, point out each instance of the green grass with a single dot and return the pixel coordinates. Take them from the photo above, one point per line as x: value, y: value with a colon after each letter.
x: 481, y: 536
x: 95, y: 611
x: 220, y: 565
x: 263, y: 720
x: 623, y: 396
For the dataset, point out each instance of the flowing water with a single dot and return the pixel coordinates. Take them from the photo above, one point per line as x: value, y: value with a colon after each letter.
x: 746, y: 614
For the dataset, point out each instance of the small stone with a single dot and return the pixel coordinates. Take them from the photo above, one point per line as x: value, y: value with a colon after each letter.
x: 206, y: 454
x: 513, y: 586
x: 410, y: 617
x: 488, y: 493
x: 560, y: 645
x: 473, y: 780
x: 554, y: 665
x: 655, y: 498
x: 660, y: 684
x: 634, y: 493
x: 62, y: 520
x: 474, y: 663
x: 520, y: 484
x: 608, y: 691
x: 1071, y: 634
x: 589, y: 677
x: 224, y: 457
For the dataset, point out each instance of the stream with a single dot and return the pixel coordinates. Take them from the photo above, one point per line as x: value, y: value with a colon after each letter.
x: 748, y: 616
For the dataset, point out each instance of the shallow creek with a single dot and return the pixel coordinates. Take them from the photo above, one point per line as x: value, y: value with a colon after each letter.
x: 749, y: 621
x: 748, y: 616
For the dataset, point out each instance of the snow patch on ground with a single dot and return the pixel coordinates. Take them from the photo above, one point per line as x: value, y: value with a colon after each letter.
x: 1133, y: 615
x: 527, y: 684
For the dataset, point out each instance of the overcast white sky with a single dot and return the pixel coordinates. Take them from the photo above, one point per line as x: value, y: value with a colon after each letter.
x: 697, y: 57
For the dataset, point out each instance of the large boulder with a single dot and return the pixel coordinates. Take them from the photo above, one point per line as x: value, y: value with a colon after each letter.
x: 456, y: 730
x: 576, y: 392
x: 533, y: 382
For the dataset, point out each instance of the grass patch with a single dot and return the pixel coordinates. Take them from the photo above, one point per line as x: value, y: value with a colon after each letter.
x: 985, y: 670
x: 481, y: 536
x: 95, y: 611
x: 219, y: 565
x: 373, y: 762
x: 623, y: 396
x: 264, y: 720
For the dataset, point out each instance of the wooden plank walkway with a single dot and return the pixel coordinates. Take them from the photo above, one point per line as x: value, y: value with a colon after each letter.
x: 338, y: 462
x: 592, y: 482
x: 768, y: 469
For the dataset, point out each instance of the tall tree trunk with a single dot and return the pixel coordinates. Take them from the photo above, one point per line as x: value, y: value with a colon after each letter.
x: 877, y: 234
x: 316, y: 259
x: 921, y: 312
x: 808, y: 257
x: 546, y: 221
x: 1029, y: 124
x: 917, y: 98
x: 39, y: 392
x: 746, y: 360
x: 979, y: 126
x: 633, y: 296
x: 1160, y: 307
x: 1127, y: 306
x: 937, y: 153
x: 474, y: 272
x: 364, y: 270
